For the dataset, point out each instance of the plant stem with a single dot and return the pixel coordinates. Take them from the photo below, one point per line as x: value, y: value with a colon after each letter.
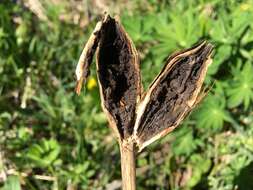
x: 128, y: 170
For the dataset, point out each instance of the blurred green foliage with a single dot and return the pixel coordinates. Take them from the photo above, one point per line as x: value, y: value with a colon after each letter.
x: 52, y: 139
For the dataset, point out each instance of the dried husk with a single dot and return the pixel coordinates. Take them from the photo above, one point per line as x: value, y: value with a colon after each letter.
x: 118, y: 74
x: 172, y: 95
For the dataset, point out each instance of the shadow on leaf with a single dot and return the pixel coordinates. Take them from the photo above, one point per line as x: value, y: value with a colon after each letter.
x: 245, y: 178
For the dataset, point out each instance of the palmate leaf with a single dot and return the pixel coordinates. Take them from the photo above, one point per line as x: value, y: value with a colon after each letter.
x: 184, y: 143
x: 228, y: 30
x: 45, y: 153
x: 212, y: 113
x: 221, y: 54
x: 241, y: 19
x: 203, y: 164
x: 139, y: 30
x: 177, y: 30
x: 219, y: 31
x: 133, y: 26
x: 241, y: 90
x: 246, y: 47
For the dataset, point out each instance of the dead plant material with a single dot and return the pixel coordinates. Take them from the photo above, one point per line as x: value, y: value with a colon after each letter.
x: 139, y: 119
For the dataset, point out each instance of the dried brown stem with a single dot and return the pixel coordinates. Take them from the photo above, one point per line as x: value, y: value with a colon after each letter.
x: 128, y: 170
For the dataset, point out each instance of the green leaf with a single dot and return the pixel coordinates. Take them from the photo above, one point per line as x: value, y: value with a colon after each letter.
x: 219, y: 31
x: 45, y: 153
x: 241, y: 89
x: 139, y: 30
x: 221, y: 54
x: 184, y: 142
x: 45, y: 103
x: 203, y: 164
x: 212, y: 113
x: 12, y: 183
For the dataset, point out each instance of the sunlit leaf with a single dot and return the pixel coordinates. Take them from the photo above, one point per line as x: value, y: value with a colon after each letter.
x: 212, y: 113
x: 45, y: 153
x: 241, y: 89
x: 12, y: 183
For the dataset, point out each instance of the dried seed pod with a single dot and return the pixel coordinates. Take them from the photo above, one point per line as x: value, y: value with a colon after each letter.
x: 118, y: 74
x: 172, y: 95
x: 85, y: 60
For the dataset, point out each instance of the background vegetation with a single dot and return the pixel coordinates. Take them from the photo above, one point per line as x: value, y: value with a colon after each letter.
x: 52, y: 139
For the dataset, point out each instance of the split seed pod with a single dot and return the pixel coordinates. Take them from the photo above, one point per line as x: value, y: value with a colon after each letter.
x: 135, y: 116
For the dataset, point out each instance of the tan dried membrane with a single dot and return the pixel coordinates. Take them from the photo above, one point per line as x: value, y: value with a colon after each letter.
x: 170, y: 97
